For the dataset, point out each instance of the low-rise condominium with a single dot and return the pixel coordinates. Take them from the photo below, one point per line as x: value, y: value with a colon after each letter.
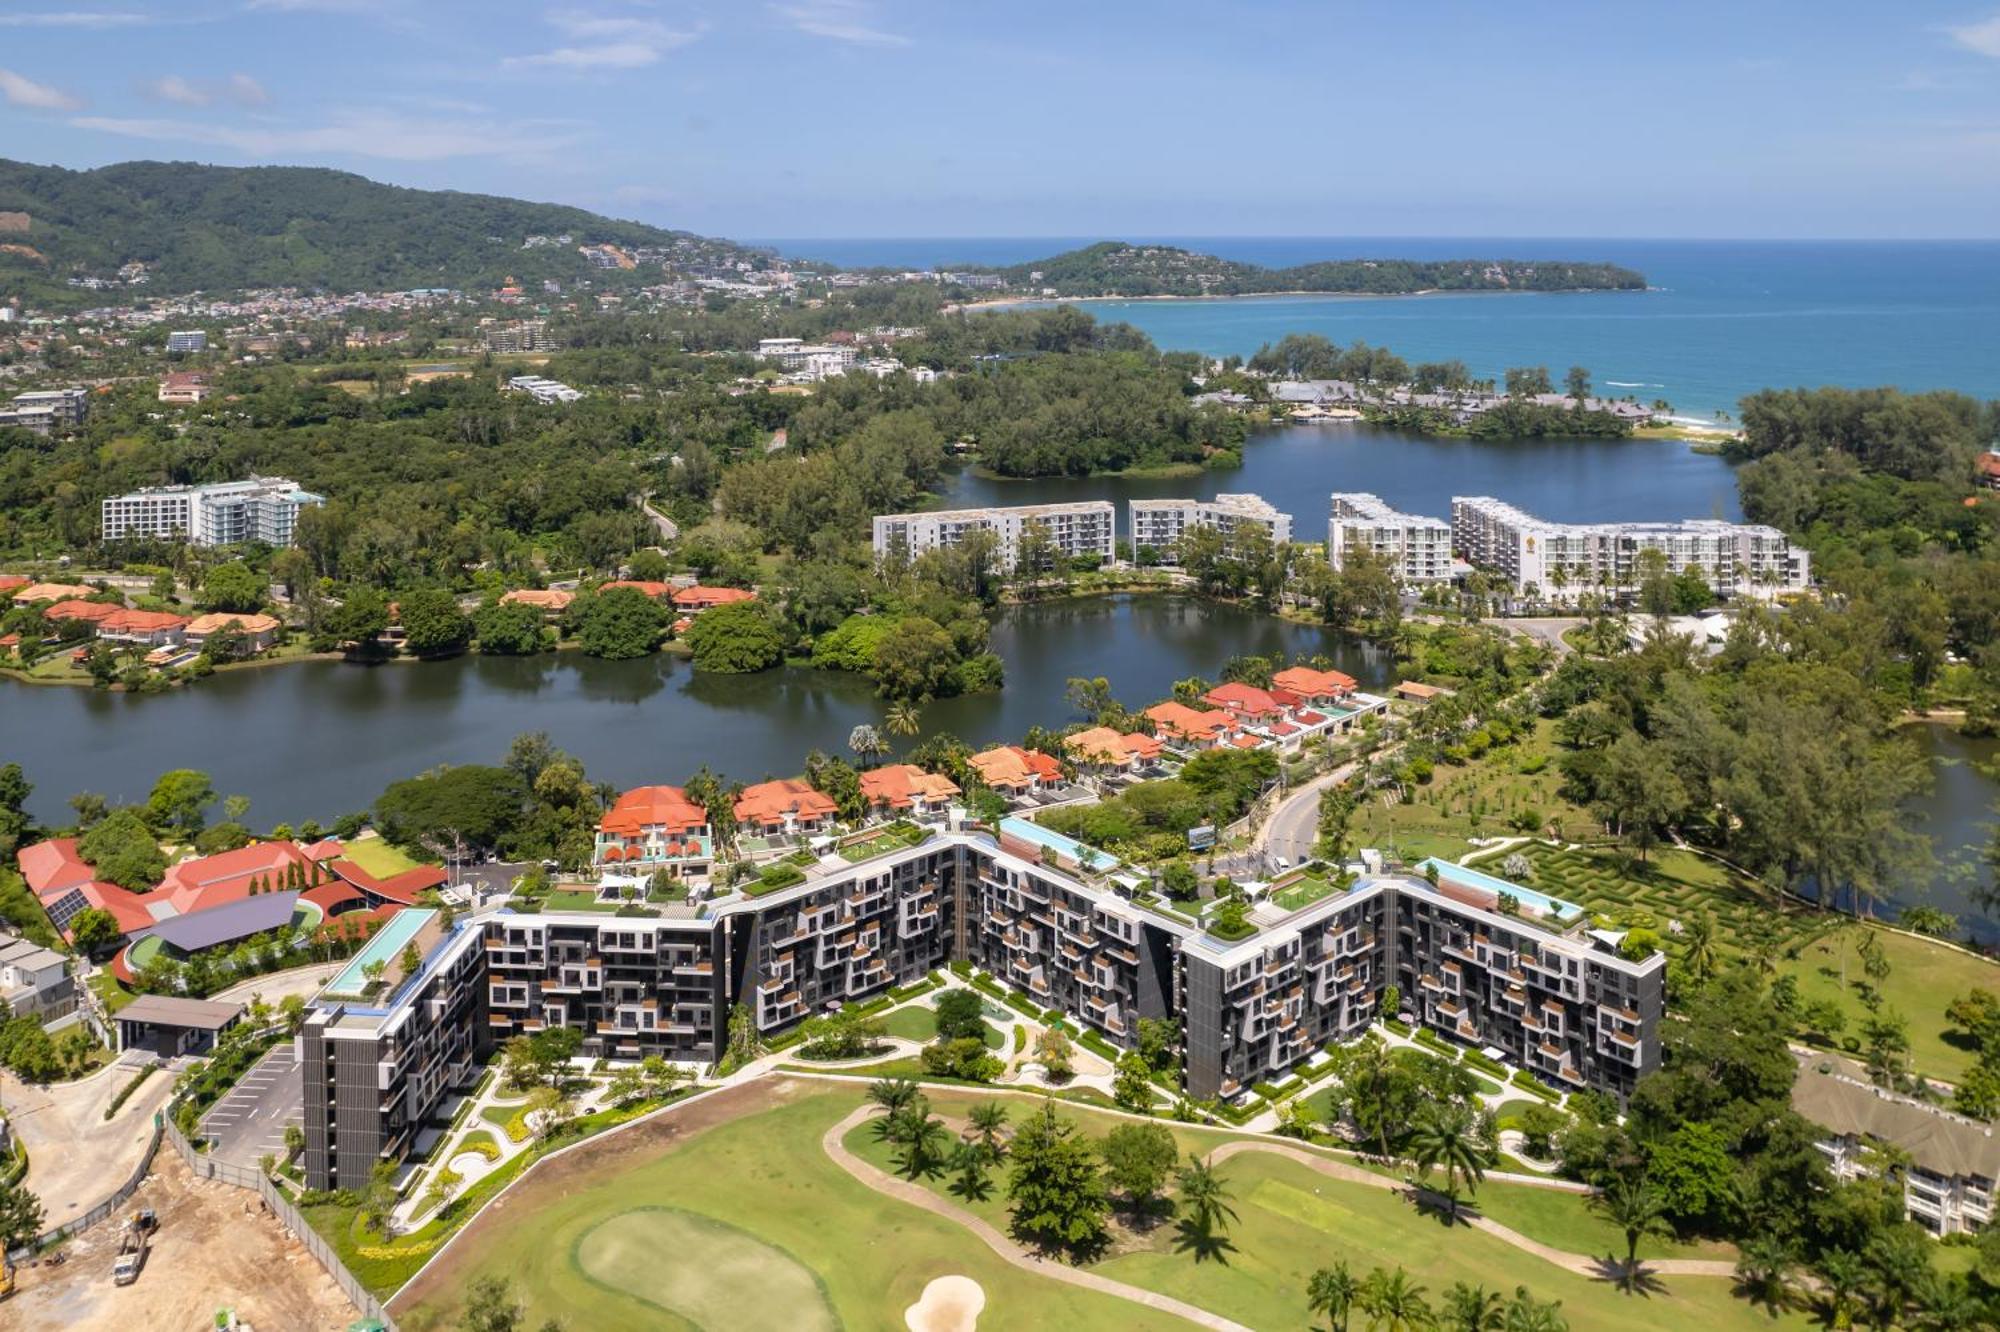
x: 263, y: 508
x: 1080, y: 530
x: 1416, y: 548
x: 1564, y: 559
x: 47, y: 411
x: 1159, y: 524
x: 1480, y: 961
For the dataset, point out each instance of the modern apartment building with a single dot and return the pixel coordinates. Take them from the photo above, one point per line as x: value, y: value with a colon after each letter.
x: 1562, y: 559
x: 1082, y: 529
x: 263, y: 508
x: 1160, y: 523
x: 524, y: 335
x: 184, y: 341
x: 1954, y: 1163
x: 543, y: 390
x: 1417, y: 548
x: 1519, y: 976
x: 47, y: 411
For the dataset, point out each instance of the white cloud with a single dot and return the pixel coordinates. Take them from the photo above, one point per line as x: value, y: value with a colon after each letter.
x: 246, y: 91
x: 238, y: 88
x: 76, y: 19
x: 839, y: 20
x: 362, y: 135
x: 26, y: 92
x: 605, y: 42
x: 173, y: 88
x: 1982, y: 37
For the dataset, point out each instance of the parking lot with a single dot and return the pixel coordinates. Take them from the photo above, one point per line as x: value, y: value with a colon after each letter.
x: 251, y: 1119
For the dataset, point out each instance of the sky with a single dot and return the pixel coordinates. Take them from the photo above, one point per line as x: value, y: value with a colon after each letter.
x: 842, y: 118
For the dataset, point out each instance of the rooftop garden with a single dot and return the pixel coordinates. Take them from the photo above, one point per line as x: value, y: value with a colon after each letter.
x: 881, y: 841
x: 1305, y: 885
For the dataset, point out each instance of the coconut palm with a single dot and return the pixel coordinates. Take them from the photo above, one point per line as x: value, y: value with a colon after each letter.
x: 1333, y: 1291
x: 894, y: 1095
x: 1947, y: 1304
x: 1394, y: 1303
x: 1763, y: 1272
x: 1472, y: 1309
x: 1698, y: 946
x: 1446, y: 1136
x: 922, y: 1138
x: 985, y: 1126
x: 1371, y: 1082
x: 902, y: 719
x: 1842, y: 1276
x: 1204, y: 1197
x: 1525, y: 1313
x: 1630, y: 1202
x: 866, y: 742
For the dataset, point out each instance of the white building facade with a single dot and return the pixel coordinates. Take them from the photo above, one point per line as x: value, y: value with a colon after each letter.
x: 1160, y: 523
x: 263, y: 508
x: 1562, y: 559
x: 1079, y: 531
x: 1416, y: 548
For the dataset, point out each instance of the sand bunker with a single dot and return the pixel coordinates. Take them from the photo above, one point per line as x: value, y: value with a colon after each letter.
x: 949, y: 1304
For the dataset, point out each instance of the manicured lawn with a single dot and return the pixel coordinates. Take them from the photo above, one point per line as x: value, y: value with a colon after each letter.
x: 1294, y: 1219
x: 1302, y: 892
x: 1923, y: 978
x: 378, y: 857
x: 761, y: 1186
x: 109, y: 992
x: 1810, y: 944
x: 893, y: 837
x: 576, y: 899
x: 914, y: 1022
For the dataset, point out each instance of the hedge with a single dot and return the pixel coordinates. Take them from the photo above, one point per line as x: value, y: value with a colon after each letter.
x: 915, y: 988
x: 1485, y: 1065
x: 126, y: 1091
x: 1532, y: 1085
x: 1430, y: 1040
x: 1396, y: 1025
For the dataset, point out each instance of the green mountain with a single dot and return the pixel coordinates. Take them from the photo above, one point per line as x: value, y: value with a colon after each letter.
x: 1115, y: 268
x: 219, y: 229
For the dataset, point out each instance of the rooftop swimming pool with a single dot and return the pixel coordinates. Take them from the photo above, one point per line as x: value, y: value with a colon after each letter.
x: 1554, y: 908
x: 1087, y: 856
x: 388, y: 941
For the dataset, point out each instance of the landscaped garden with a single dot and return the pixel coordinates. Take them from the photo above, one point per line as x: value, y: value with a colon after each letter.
x: 1512, y: 789
x: 880, y: 841
x: 378, y: 856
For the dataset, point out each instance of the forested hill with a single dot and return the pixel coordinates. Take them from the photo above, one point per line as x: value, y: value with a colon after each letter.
x: 219, y: 229
x: 1115, y: 268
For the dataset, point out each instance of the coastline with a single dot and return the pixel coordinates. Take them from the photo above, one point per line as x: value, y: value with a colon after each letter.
x: 1019, y: 302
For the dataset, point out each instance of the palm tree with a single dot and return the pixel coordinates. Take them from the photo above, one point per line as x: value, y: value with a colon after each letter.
x: 1947, y: 1304
x: 902, y: 719
x: 1333, y: 1291
x: 1204, y: 1197
x: 894, y: 1095
x: 1763, y: 1272
x: 922, y: 1136
x: 1472, y: 1309
x: 1699, y: 946
x: 1630, y: 1202
x: 984, y: 1127
x: 1394, y: 1303
x: 866, y: 742
x: 1525, y: 1313
x: 1371, y: 1080
x: 1841, y: 1279
x: 1446, y: 1136
x: 972, y: 1183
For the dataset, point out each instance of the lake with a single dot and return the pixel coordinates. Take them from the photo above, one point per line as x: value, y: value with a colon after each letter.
x: 316, y: 739
x: 1297, y: 467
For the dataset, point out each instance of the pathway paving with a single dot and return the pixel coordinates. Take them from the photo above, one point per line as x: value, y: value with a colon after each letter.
x: 918, y: 1196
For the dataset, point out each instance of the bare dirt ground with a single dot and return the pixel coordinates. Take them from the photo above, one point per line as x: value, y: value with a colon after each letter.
x: 215, y: 1249
x: 76, y: 1158
x: 590, y: 1164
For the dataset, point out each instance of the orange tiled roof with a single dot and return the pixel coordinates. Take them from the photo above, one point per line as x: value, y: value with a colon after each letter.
x: 141, y: 622
x: 1314, y: 684
x: 73, y: 609
x: 643, y: 807
x: 701, y: 598
x: 1101, y: 744
x: 767, y: 803
x: 901, y: 785
x: 203, y: 625
x: 53, y: 866
x: 553, y: 598
x: 208, y: 881
x: 1188, y: 723
x: 1240, y: 697
x: 1009, y: 766
x: 654, y: 590
x: 53, y: 592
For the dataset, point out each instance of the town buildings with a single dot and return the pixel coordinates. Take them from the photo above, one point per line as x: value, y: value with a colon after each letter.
x: 1953, y: 1162
x: 1478, y: 960
x: 1563, y: 559
x: 1159, y: 524
x: 263, y: 508
x: 1416, y: 549
x: 47, y: 411
x: 543, y: 390
x: 185, y: 387
x: 1086, y: 529
x: 524, y: 335
x: 34, y: 981
x: 181, y: 342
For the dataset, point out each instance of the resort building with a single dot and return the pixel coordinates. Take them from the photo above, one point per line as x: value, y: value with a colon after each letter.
x: 185, y: 387
x: 1159, y: 524
x: 906, y: 789
x: 1086, y: 529
x: 551, y: 602
x: 787, y: 807
x: 1104, y: 751
x: 1200, y: 727
x: 1417, y: 549
x: 263, y: 508
x: 1014, y: 771
x: 542, y: 390
x: 1317, y: 687
x: 1560, y: 560
x: 652, y: 828
x: 47, y: 411
x: 1953, y: 1162
x: 256, y: 632
x: 1480, y: 961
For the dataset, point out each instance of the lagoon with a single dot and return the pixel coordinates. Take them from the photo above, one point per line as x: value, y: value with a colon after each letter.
x: 315, y: 739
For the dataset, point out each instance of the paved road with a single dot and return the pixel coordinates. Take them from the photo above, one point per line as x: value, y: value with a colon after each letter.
x: 1293, y: 826
x: 1548, y: 631
x: 250, y: 1121
x: 303, y: 981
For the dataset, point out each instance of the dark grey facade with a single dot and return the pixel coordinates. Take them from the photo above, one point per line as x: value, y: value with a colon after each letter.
x: 1566, y: 1007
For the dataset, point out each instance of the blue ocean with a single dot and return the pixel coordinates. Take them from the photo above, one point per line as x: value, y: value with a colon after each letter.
x: 1721, y: 320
